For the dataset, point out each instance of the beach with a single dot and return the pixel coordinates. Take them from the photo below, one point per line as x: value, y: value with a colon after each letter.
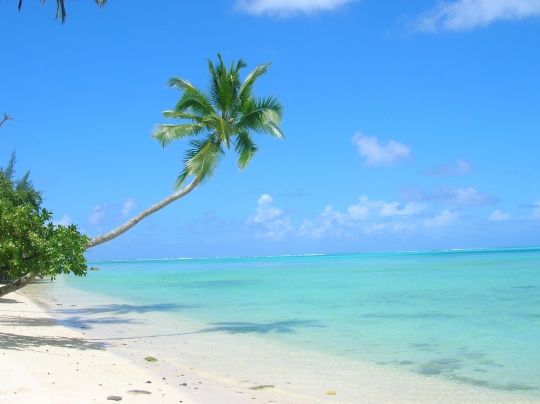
x: 270, y: 201
x: 62, y: 345
x: 45, y: 362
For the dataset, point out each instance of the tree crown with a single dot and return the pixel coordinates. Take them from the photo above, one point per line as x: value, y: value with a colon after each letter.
x: 225, y: 116
x: 30, y: 243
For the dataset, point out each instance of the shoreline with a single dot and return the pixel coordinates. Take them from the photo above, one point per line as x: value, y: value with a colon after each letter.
x: 46, y: 362
x: 217, y: 367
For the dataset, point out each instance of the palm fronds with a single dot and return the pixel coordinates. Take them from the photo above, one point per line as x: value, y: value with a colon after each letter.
x: 225, y: 114
x: 61, y: 8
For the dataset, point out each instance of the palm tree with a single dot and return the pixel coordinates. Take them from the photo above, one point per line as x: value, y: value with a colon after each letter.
x: 225, y: 117
x: 61, y: 7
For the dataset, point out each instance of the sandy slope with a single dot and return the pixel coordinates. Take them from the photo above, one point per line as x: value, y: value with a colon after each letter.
x: 43, y: 362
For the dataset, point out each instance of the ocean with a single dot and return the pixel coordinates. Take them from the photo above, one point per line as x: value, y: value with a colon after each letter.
x: 468, y: 317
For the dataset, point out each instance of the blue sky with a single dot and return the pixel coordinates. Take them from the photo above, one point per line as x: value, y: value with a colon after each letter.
x: 410, y: 125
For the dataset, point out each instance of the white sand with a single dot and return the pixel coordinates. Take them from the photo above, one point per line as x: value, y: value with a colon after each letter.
x: 43, y: 362
x: 217, y: 366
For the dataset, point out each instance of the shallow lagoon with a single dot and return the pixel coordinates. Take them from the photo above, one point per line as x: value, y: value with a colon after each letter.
x: 471, y: 317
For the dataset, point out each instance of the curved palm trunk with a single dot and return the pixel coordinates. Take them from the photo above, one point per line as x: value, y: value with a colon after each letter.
x: 26, y: 279
x: 16, y: 284
x: 132, y: 222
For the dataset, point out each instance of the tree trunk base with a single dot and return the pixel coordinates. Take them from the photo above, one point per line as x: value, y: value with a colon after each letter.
x: 16, y: 284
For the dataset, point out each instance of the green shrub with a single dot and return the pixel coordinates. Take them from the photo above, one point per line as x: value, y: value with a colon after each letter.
x: 29, y: 242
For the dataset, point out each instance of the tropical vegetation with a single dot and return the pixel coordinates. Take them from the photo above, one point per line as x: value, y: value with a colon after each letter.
x: 221, y: 119
x: 31, y: 245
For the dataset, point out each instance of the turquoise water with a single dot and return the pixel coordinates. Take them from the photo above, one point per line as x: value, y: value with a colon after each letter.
x: 470, y: 316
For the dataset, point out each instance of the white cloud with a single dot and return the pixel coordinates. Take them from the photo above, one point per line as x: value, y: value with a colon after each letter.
x: 111, y: 213
x: 376, y: 153
x: 536, y: 211
x: 397, y: 209
x: 328, y: 221
x: 270, y: 218
x: 461, y: 167
x: 460, y: 15
x: 127, y: 206
x: 443, y: 219
x: 398, y: 227
x: 97, y: 216
x: 265, y: 212
x: 368, y: 215
x: 358, y: 212
x: 498, y: 216
x: 468, y: 196
x: 64, y: 221
x: 286, y: 8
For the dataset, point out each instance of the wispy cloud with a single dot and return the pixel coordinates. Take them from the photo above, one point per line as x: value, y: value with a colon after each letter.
x: 443, y: 219
x: 389, y: 209
x: 460, y: 167
x: 328, y: 221
x: 536, y: 211
x: 286, y: 8
x: 127, y: 206
x: 97, y: 215
x: 461, y: 15
x: 391, y: 227
x: 365, y: 215
x: 108, y: 214
x: 498, y: 216
x: 467, y: 196
x: 64, y: 221
x: 270, y: 219
x: 376, y: 153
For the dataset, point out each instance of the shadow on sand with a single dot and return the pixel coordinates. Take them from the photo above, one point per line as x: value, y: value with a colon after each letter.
x: 286, y: 326
x: 126, y: 309
x: 280, y: 327
x: 21, y: 342
x: 4, y: 300
x: 73, y: 322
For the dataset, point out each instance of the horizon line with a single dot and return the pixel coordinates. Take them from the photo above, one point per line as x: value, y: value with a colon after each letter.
x: 442, y: 250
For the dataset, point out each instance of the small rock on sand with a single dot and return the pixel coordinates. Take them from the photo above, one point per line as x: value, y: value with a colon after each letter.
x: 114, y: 398
x: 262, y: 387
x: 139, y: 392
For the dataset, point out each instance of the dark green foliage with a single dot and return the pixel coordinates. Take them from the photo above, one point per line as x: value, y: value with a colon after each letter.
x: 29, y: 242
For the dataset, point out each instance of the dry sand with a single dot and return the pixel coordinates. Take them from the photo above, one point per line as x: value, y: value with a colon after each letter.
x: 44, y: 362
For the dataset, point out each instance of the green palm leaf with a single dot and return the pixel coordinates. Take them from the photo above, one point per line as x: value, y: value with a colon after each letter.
x: 263, y: 116
x: 166, y: 133
x: 246, y: 149
x: 203, y: 157
x: 192, y: 98
x: 247, y: 85
x: 226, y: 114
